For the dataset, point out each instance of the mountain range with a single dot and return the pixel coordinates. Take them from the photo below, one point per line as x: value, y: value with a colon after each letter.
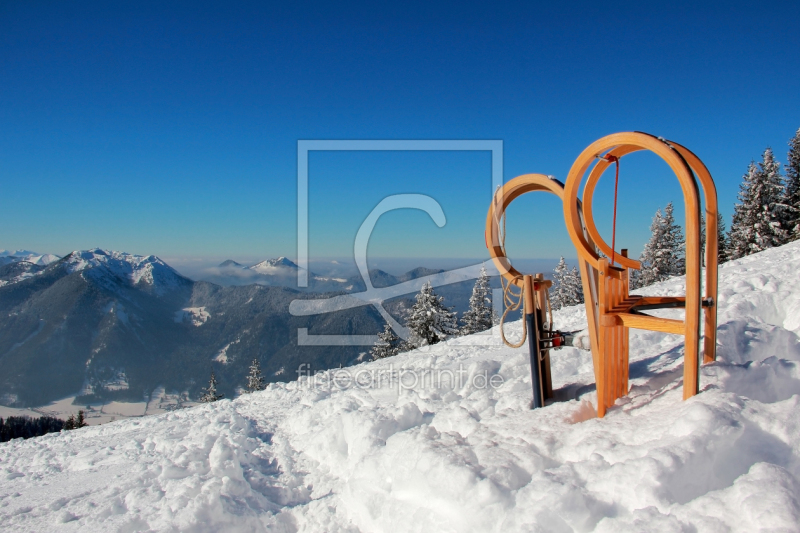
x: 116, y: 326
x: 7, y: 256
x: 282, y: 272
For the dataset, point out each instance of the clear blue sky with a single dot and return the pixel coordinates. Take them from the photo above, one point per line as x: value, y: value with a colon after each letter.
x: 171, y: 128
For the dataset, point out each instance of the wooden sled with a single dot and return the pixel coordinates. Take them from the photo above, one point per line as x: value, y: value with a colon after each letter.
x: 610, y: 309
x: 533, y: 288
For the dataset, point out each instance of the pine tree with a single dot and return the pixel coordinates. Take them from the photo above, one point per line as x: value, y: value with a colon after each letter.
x: 387, y: 345
x: 429, y: 321
x: 674, y: 250
x: 80, y: 421
x: 741, y: 234
x: 567, y: 289
x: 559, y: 273
x: 652, y: 269
x: 210, y: 392
x: 762, y: 210
x: 770, y: 197
x: 702, y: 239
x: 663, y: 255
x: 634, y: 278
x: 480, y: 315
x: 255, y: 382
x: 792, y: 218
x: 574, y: 288
x: 70, y: 423
x: 723, y: 250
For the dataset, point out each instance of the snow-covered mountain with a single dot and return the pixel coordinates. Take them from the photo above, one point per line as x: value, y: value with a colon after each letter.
x: 275, y: 266
x: 442, y: 440
x: 282, y: 272
x: 7, y: 256
x: 76, y: 325
x: 278, y: 272
x: 17, y: 271
x: 137, y: 270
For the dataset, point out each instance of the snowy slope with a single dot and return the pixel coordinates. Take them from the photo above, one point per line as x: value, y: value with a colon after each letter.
x: 324, y: 454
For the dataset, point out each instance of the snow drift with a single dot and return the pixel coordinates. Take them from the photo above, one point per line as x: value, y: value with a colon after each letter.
x: 442, y: 440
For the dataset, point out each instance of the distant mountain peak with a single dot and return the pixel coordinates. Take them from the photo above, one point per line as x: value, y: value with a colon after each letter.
x: 17, y: 253
x: 136, y: 269
x: 271, y: 265
x: 281, y: 261
x: 231, y: 263
x: 8, y: 256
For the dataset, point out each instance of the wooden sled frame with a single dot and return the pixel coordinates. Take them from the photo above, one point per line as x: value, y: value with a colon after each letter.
x: 533, y: 287
x: 610, y: 309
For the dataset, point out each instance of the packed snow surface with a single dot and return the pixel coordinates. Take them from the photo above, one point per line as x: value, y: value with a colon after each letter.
x: 443, y: 440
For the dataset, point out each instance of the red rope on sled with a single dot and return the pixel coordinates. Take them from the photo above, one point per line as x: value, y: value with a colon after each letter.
x: 611, y: 158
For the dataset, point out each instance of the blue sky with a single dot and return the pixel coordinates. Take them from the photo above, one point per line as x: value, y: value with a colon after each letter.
x: 172, y: 129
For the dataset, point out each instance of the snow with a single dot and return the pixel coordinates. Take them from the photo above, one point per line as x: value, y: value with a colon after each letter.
x: 197, y: 315
x: 222, y: 355
x: 338, y: 280
x: 159, y: 402
x: 441, y: 439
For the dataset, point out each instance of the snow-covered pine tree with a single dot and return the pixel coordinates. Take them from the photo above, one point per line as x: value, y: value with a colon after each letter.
x: 387, y: 345
x: 210, y: 392
x: 757, y: 218
x: 770, y: 224
x: 574, y: 290
x: 722, y: 240
x: 255, y: 381
x: 559, y: 273
x: 567, y: 289
x: 702, y: 239
x: 793, y: 188
x: 674, y: 251
x: 663, y: 255
x: 652, y: 268
x: 480, y: 315
x: 429, y: 321
x: 634, y: 278
x: 740, y: 236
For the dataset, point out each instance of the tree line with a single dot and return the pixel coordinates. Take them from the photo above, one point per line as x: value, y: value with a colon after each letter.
x: 25, y: 427
x: 429, y: 321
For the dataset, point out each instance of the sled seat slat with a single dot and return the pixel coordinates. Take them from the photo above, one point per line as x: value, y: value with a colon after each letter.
x: 651, y: 323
